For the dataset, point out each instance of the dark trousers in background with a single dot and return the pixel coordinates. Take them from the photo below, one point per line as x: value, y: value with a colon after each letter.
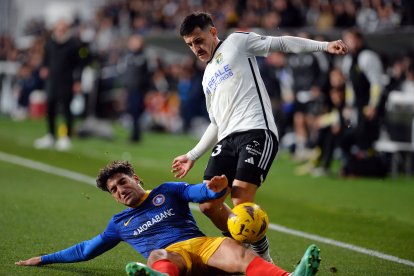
x: 135, y: 109
x: 53, y: 105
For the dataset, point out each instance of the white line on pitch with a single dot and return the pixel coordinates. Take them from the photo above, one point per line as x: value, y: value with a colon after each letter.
x: 275, y: 227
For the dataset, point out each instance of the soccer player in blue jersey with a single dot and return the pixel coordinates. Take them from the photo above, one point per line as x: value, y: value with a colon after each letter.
x: 159, y: 225
x: 242, y: 128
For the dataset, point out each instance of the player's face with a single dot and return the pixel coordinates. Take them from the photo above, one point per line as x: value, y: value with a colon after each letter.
x: 202, y: 42
x: 125, y: 189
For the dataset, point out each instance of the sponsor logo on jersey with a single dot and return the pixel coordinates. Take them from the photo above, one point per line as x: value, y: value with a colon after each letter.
x: 249, y: 160
x: 156, y: 219
x: 158, y: 200
x: 221, y: 74
x: 219, y: 58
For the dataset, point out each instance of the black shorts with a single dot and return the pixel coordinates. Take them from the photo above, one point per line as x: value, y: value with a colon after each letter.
x: 245, y: 156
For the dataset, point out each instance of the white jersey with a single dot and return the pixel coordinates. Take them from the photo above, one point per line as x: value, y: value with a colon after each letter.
x: 236, y: 96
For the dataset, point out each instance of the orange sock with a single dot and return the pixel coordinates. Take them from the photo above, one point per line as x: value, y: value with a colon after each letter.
x: 259, y: 267
x: 166, y: 266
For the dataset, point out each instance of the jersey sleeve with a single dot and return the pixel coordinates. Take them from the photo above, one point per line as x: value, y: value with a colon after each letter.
x: 251, y: 43
x: 193, y: 192
x: 200, y: 193
x: 292, y: 44
x: 206, y: 142
x: 85, y: 250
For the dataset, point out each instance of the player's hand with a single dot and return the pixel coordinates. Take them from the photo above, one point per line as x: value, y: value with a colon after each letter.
x: 217, y: 183
x: 337, y: 47
x: 181, y: 166
x: 30, y: 262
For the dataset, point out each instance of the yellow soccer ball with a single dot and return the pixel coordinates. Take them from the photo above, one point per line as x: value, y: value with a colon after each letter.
x: 248, y: 222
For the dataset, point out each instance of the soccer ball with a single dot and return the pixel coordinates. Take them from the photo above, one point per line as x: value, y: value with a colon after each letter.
x: 248, y: 223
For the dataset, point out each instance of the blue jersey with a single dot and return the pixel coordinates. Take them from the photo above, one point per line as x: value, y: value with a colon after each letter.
x: 162, y: 219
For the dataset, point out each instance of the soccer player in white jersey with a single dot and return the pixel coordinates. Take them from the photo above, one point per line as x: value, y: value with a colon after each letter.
x: 242, y: 127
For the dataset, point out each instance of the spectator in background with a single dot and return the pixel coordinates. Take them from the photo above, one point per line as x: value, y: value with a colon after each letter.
x: 331, y: 125
x: 407, y: 86
x: 309, y: 79
x: 7, y: 47
x: 277, y: 78
x: 367, y: 18
x: 28, y: 80
x: 290, y: 15
x: 326, y: 19
x: 388, y: 17
x: 363, y: 68
x: 136, y: 79
x: 344, y: 13
x: 61, y: 70
x: 192, y: 101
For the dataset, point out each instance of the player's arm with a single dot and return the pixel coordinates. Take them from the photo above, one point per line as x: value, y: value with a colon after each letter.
x: 263, y: 45
x: 182, y: 164
x: 207, y: 141
x: 215, y: 188
x: 292, y: 44
x: 82, y: 251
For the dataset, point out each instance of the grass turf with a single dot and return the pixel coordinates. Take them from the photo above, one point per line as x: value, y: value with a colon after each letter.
x: 43, y: 213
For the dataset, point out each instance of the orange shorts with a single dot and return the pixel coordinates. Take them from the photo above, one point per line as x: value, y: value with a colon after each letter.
x: 196, y: 252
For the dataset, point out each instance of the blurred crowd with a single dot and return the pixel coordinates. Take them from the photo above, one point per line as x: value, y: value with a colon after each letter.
x: 316, y: 98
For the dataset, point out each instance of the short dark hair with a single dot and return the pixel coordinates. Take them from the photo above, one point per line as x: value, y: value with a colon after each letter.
x: 194, y: 20
x: 355, y: 32
x: 110, y: 170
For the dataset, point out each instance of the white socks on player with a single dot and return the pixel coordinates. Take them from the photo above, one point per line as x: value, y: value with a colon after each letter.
x: 262, y: 249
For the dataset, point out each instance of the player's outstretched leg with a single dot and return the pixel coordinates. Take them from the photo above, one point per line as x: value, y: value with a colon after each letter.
x: 308, y: 265
x: 139, y: 269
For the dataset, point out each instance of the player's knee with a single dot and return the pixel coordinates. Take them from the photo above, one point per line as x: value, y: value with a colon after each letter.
x: 172, y: 257
x: 240, y: 256
x: 156, y: 255
x: 237, y: 201
x: 245, y: 257
x: 242, y: 199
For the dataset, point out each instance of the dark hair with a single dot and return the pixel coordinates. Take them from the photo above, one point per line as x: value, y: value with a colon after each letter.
x: 355, y: 32
x: 112, y: 169
x: 194, y: 20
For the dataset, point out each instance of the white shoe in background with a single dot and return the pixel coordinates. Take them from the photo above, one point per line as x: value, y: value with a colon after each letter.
x: 45, y: 142
x: 63, y: 144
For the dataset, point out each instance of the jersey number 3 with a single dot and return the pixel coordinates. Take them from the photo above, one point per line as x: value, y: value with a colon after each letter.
x: 216, y: 150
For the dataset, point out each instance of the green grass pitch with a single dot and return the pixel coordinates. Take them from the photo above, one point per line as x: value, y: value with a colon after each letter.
x: 42, y: 213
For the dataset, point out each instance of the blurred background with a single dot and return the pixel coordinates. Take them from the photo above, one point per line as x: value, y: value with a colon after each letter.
x: 86, y: 82
x: 131, y: 68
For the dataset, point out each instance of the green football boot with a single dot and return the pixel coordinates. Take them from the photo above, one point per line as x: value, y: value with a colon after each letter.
x: 308, y: 265
x: 139, y: 269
